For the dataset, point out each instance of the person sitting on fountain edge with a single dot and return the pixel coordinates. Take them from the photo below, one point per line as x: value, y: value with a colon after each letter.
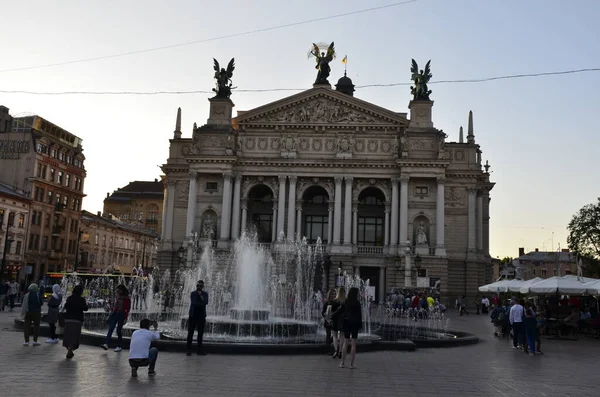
x: 197, y: 317
x: 140, y: 352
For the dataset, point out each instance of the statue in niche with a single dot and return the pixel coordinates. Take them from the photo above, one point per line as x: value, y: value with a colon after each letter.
x: 288, y: 143
x: 208, y: 228
x: 323, y: 59
x: 441, y: 143
x: 421, y: 234
x: 223, y: 77
x: 396, y: 147
x: 420, y: 91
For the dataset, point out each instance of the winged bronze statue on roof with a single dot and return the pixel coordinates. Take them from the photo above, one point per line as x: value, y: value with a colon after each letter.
x: 323, y: 58
x: 223, y: 78
x: 420, y: 92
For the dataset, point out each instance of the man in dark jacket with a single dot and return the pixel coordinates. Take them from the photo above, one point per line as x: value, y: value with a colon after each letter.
x: 197, y: 317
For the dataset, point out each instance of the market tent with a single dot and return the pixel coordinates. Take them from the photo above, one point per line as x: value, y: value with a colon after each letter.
x: 593, y: 288
x: 583, y: 279
x: 554, y: 285
x: 516, y: 285
x: 498, y: 286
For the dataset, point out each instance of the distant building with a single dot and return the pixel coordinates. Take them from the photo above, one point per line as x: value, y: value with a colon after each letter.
x: 14, y: 214
x: 46, y: 163
x: 139, y: 203
x: 546, y: 264
x: 107, y: 243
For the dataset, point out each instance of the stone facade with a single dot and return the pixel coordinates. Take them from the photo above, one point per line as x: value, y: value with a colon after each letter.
x: 14, y: 219
x: 46, y: 162
x: 108, y: 244
x: 377, y: 187
x: 140, y: 203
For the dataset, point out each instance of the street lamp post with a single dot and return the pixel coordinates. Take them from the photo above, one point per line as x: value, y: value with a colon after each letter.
x: 7, y: 243
x: 408, y: 268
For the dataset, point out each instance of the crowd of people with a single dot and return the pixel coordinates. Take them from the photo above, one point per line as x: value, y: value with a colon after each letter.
x: 414, y: 304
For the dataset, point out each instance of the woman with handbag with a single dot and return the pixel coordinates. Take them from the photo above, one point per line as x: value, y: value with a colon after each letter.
x: 73, y: 320
x: 53, y: 309
x: 118, y: 316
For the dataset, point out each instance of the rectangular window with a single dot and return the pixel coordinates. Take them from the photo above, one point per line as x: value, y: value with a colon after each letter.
x: 50, y: 196
x: 61, y: 156
x: 34, y: 216
x: 52, y: 174
x: 543, y: 272
x: 18, y: 248
x: 60, y: 178
x: 104, y: 241
x: 39, y: 171
x: 211, y: 186
x: 66, y: 201
x: 44, y: 243
x: 370, y: 231
x: 263, y: 224
x: 422, y: 273
x: 47, y: 223
x: 57, y: 198
x: 42, y: 192
x: 53, y: 153
x: 21, y: 220
x: 421, y: 191
x: 1, y: 217
x: 36, y: 194
x: 68, y: 180
x: 44, y: 171
x: 533, y: 272
x: 554, y: 272
x: 316, y: 226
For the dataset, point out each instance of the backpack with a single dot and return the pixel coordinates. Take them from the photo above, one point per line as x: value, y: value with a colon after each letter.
x: 501, y: 316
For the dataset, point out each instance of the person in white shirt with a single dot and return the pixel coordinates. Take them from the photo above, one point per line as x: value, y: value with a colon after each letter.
x: 140, y: 352
x: 516, y: 321
x: 485, y: 304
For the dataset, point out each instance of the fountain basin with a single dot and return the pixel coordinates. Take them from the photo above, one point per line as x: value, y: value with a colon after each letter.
x: 270, y: 329
x: 249, y: 314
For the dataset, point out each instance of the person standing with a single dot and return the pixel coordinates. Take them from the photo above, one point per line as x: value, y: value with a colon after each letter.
x: 462, y: 306
x: 336, y: 322
x: 516, y: 321
x: 352, y: 323
x: 118, y: 317
x: 12, y: 294
x: 3, y: 294
x: 327, y: 314
x: 140, y: 352
x: 74, y: 308
x: 226, y: 301
x: 53, y: 309
x: 31, y: 309
x: 197, y: 317
x: 485, y: 304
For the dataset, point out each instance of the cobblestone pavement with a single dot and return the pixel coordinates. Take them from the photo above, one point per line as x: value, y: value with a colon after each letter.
x: 490, y: 368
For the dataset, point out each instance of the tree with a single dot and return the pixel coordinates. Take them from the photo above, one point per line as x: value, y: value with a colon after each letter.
x: 584, y: 236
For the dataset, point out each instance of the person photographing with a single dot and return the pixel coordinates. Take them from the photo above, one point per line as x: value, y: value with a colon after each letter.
x: 197, y: 317
x: 140, y: 352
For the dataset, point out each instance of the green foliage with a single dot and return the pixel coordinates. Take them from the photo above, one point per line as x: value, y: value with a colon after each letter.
x: 584, y: 236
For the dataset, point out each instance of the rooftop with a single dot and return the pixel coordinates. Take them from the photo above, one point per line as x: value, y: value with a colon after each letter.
x: 40, y: 124
x: 5, y: 190
x: 137, y: 189
x: 547, y: 256
x: 109, y: 221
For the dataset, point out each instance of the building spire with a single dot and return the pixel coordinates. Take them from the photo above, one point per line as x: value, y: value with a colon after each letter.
x: 470, y: 135
x: 461, y: 138
x: 177, y: 132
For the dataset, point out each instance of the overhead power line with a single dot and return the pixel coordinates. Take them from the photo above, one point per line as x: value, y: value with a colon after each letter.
x: 229, y: 36
x: 463, y: 81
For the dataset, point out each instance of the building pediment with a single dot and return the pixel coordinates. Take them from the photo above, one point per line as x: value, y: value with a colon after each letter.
x: 321, y: 106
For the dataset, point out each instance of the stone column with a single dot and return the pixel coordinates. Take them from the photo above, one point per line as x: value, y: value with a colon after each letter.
x: 168, y: 219
x: 471, y: 217
x: 191, y: 208
x: 381, y: 292
x: 337, y: 212
x: 330, y: 223
x: 479, y: 220
x: 299, y: 219
x: 386, y: 227
x: 355, y: 223
x: 244, y: 205
x: 440, y: 218
x: 348, y: 212
x: 235, y: 221
x: 393, y: 238
x: 403, y: 209
x: 226, y: 206
x: 274, y: 225
x: 407, y: 268
x: 291, y: 208
x: 280, y: 206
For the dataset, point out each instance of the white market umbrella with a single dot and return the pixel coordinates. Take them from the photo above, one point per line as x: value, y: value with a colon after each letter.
x: 593, y: 288
x: 583, y: 279
x: 555, y: 285
x: 517, y: 285
x: 498, y: 286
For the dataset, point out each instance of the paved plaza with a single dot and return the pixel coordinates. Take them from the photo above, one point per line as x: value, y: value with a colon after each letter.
x: 489, y: 368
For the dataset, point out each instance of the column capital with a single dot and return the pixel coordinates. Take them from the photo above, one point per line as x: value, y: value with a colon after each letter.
x: 171, y: 182
x: 227, y: 175
x: 330, y: 206
x: 238, y: 177
x: 480, y: 192
x: 395, y: 180
x: 293, y: 178
x: 193, y: 174
x: 349, y: 179
x: 441, y: 179
x: 404, y: 179
x: 281, y: 179
x: 337, y: 180
x: 472, y: 191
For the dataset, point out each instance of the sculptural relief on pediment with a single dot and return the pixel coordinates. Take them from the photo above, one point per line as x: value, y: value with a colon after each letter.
x: 320, y: 111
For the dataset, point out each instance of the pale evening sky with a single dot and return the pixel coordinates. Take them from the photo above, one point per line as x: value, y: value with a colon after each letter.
x: 539, y: 134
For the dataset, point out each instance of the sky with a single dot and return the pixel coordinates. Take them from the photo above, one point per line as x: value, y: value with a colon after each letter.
x: 540, y: 135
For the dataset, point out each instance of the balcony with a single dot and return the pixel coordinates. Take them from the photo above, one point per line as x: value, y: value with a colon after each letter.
x: 57, y: 230
x: 369, y: 250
